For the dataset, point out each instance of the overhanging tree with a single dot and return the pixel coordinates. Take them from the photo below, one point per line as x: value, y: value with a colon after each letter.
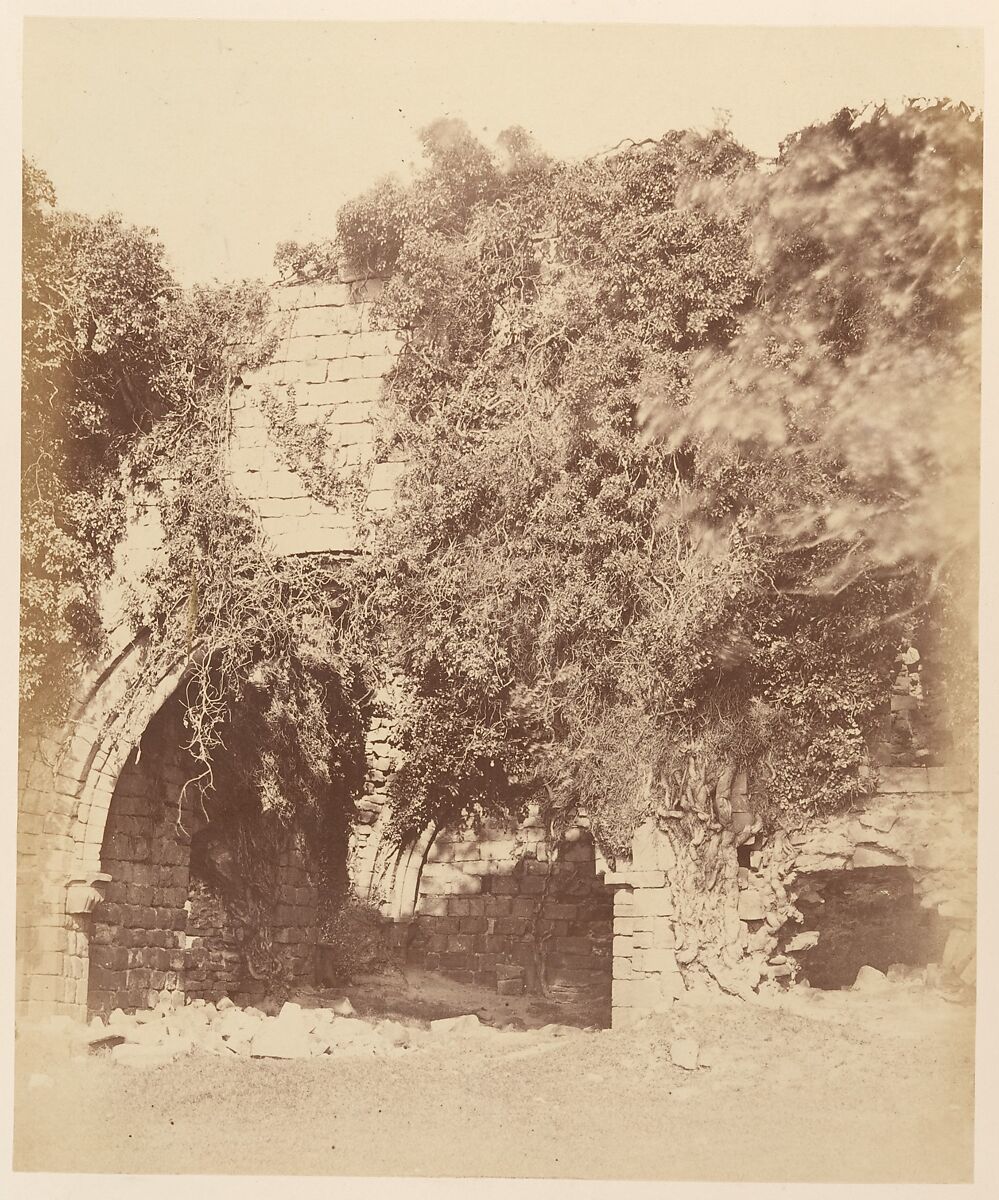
x: 609, y: 621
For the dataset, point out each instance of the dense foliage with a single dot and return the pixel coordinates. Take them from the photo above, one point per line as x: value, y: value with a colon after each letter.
x: 852, y: 389
x: 127, y: 380
x: 93, y: 301
x: 690, y: 443
x: 856, y: 372
x: 580, y: 606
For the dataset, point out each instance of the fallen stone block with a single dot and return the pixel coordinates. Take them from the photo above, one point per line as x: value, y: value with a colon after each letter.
x: 192, y: 1018
x: 870, y: 979
x: 958, y: 951
x: 317, y: 1020
x: 803, y: 941
x: 345, y: 1033
x: 241, y: 1043
x: 368, y: 1045
x: 343, y: 1007
x: 280, y: 1039
x: 107, y: 1040
x: 150, y: 1033
x: 145, y: 1057
x: 466, y: 1025
x: 683, y: 1052
x: 97, y: 1035
x: 213, y: 1043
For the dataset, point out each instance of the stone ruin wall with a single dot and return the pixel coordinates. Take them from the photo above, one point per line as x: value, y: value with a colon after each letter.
x: 328, y: 368
x: 137, y: 930
x: 487, y: 904
x: 328, y: 364
x: 159, y: 934
x: 923, y: 820
x: 499, y: 907
x: 108, y: 913
x: 468, y: 905
x: 214, y: 963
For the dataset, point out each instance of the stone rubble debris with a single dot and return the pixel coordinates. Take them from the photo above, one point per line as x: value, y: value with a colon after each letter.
x: 870, y: 979
x: 152, y: 1038
x: 468, y: 1025
x: 803, y: 941
x: 903, y: 973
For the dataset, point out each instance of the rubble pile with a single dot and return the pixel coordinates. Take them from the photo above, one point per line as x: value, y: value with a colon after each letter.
x: 163, y: 1034
x: 154, y: 1037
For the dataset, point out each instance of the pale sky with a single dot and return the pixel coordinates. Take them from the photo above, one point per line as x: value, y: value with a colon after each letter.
x: 229, y: 137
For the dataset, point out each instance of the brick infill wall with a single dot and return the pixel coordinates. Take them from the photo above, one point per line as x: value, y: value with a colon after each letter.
x: 500, y: 908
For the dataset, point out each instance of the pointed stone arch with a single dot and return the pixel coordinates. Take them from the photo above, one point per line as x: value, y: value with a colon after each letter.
x: 67, y: 778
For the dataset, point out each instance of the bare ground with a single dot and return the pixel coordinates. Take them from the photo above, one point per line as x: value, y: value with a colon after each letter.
x: 820, y: 1086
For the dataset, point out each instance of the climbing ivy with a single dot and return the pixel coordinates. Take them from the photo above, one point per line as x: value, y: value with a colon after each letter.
x: 584, y: 609
x: 127, y: 385
x: 95, y: 299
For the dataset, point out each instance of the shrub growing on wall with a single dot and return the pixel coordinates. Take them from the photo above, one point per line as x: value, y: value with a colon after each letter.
x: 581, y: 607
x: 95, y: 296
x: 126, y: 383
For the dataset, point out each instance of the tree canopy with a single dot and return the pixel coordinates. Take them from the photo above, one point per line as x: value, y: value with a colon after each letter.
x: 690, y: 438
x: 685, y: 436
x: 94, y: 296
x: 856, y: 373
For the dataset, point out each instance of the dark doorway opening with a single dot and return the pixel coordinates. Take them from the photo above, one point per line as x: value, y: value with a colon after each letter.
x: 870, y: 916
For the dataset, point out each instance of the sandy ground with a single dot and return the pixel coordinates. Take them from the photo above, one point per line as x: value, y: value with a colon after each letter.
x: 820, y: 1086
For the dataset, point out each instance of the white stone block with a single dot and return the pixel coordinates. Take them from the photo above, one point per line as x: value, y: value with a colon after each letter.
x: 316, y: 322
x: 288, y: 297
x: 345, y: 369
x: 331, y: 294
x: 376, y: 365
x: 333, y: 345
x: 352, y: 414
x: 361, y: 433
x: 375, y: 342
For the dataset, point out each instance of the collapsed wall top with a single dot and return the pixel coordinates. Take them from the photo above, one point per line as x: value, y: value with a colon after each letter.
x: 322, y: 385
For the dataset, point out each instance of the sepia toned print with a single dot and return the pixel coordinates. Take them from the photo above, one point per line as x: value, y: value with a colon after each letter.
x: 499, y: 640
